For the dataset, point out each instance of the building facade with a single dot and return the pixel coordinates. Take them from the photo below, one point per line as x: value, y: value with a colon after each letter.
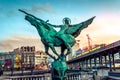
x: 7, y: 60
x: 41, y: 60
x: 27, y: 56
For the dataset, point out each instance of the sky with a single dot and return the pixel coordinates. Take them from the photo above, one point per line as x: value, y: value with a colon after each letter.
x: 15, y: 31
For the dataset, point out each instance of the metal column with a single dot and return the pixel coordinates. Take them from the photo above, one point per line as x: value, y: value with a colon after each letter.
x: 105, y: 60
x: 119, y: 53
x: 82, y: 64
x: 101, y: 61
x: 95, y: 61
x: 90, y: 63
x: 86, y: 63
x: 109, y: 56
x: 113, y: 60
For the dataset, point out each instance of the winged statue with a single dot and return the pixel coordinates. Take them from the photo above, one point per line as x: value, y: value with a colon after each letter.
x: 65, y: 38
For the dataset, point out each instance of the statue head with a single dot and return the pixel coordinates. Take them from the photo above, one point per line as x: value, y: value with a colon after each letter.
x: 66, y: 20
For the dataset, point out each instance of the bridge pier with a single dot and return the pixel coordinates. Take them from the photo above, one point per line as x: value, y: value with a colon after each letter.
x: 119, y: 53
x: 95, y: 64
x: 113, y: 60
x: 90, y: 63
x: 86, y: 63
x: 105, y: 60
x: 109, y: 58
x: 83, y: 64
x: 100, y: 60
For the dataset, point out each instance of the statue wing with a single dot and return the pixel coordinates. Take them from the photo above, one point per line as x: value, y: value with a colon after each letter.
x: 75, y: 30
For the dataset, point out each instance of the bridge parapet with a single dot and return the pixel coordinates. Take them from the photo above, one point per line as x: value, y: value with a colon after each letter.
x: 71, y: 75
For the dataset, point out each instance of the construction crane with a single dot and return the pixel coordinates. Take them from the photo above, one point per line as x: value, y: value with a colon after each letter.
x: 89, y: 42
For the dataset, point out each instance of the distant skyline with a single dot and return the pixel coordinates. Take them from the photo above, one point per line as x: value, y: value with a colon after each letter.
x: 15, y: 31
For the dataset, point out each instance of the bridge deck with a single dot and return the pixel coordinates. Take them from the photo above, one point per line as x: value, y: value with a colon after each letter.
x: 111, y: 48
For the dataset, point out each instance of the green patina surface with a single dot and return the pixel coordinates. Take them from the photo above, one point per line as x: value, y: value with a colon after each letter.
x: 65, y: 39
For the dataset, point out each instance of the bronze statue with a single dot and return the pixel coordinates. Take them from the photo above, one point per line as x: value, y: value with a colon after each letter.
x: 65, y: 39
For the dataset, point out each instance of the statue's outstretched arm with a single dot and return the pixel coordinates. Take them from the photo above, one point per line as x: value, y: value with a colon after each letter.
x: 42, y: 21
x: 56, y: 26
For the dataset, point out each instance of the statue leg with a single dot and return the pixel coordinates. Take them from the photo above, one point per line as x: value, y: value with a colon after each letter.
x: 46, y: 51
x: 62, y: 50
x: 65, y: 40
x: 69, y: 50
x: 53, y: 49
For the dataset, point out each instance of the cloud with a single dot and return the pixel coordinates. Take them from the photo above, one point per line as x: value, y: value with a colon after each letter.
x: 39, y: 8
x: 8, y: 13
x: 13, y: 42
x: 104, y: 29
x: 11, y: 13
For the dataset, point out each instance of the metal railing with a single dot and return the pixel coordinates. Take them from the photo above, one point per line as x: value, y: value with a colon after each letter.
x: 72, y: 75
x: 81, y: 75
x: 31, y: 77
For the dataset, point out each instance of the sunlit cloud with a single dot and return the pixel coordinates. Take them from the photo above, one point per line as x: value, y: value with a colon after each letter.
x: 104, y: 29
x: 13, y: 42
